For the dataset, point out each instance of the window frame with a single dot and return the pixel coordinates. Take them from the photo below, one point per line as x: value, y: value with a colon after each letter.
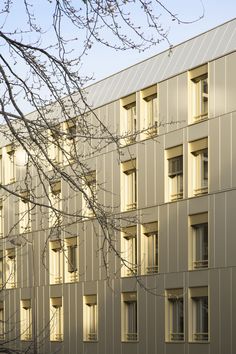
x: 54, y: 145
x: 129, y: 251
x: 128, y: 119
x: 90, y: 188
x: 198, y: 262
x: 198, y: 167
x: 151, y: 112
x: 200, y: 186
x: 55, y: 195
x: 11, y: 275
x: 129, y: 317
x: 56, y: 319
x: 56, y: 255
x: 69, y: 144
x: 1, y: 218
x: 1, y: 167
x: 128, y: 185
x: 150, y: 262
x: 90, y: 318
x: 175, y: 173
x: 10, y: 165
x: 26, y: 320
x: 71, y: 267
x: 2, y: 320
x: 2, y: 276
x: 196, y: 297
x: 130, y: 123
x: 151, y: 115
x: 198, y: 84
x: 175, y: 315
x: 197, y: 221
x: 24, y: 213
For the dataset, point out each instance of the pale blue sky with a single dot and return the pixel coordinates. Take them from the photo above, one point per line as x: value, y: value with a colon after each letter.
x: 103, y: 62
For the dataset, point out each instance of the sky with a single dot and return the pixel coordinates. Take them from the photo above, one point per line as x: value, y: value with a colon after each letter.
x: 103, y: 62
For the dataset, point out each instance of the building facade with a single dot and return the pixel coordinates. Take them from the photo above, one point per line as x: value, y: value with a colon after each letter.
x: 173, y: 290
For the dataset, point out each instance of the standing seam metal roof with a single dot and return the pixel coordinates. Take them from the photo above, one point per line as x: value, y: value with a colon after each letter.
x: 201, y: 49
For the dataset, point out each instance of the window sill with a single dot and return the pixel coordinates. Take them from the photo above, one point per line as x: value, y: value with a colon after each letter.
x: 56, y: 340
x: 175, y: 200
x: 130, y: 207
x: 196, y: 269
x: 197, y: 196
x: 130, y: 341
x: 88, y: 217
x: 25, y: 232
x: 11, y: 287
x: 10, y: 182
x: 148, y: 136
x: 69, y: 162
x: 129, y: 141
x: 134, y: 275
x: 151, y: 272
x: 127, y: 144
x: 201, y: 191
x: 192, y: 122
x: 26, y: 340
x: 128, y: 211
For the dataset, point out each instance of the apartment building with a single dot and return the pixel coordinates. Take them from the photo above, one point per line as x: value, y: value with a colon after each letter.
x: 173, y: 186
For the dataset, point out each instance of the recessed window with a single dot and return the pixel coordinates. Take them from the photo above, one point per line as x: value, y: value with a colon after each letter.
x: 175, y: 173
x: 71, y: 259
x: 199, y: 166
x: 129, y: 317
x: 56, y: 319
x: 1, y: 270
x: 131, y: 122
x: 10, y: 165
x: 175, y: 315
x: 199, y: 93
x: 90, y: 318
x: 128, y: 185
x: 1, y: 218
x: 1, y: 167
x: 26, y: 320
x: 128, y: 119
x: 2, y: 320
x: 150, y: 248
x: 56, y: 262
x: 90, y: 194
x: 129, y: 251
x: 149, y: 111
x: 55, y: 216
x: 24, y: 212
x: 55, y: 143
x: 199, y: 316
x: 70, y: 142
x: 199, y: 241
x: 10, y: 268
